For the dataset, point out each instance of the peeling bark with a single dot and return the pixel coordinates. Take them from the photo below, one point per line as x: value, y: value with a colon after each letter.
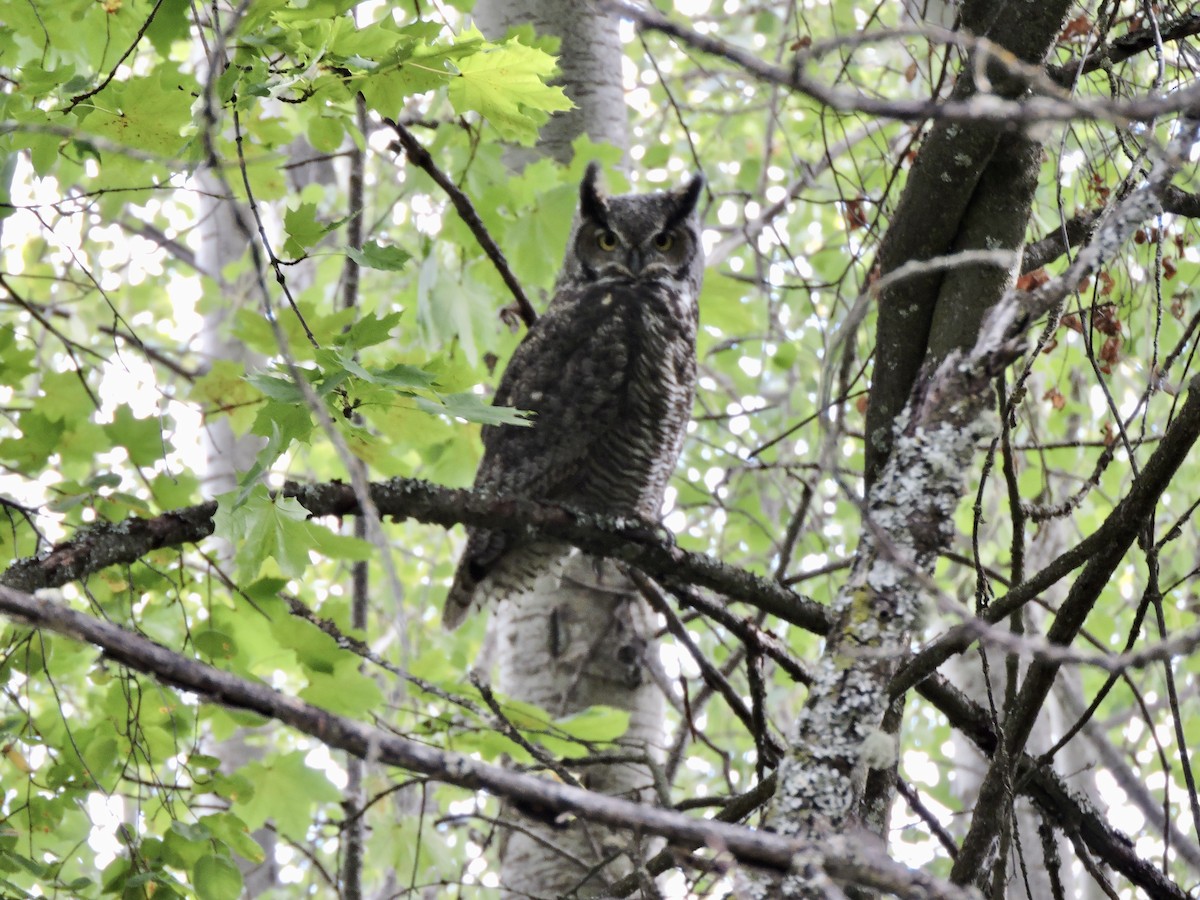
x: 587, y: 638
x: 592, y: 649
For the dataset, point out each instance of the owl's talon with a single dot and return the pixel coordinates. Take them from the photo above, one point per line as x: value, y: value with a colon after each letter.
x: 666, y: 535
x: 647, y: 531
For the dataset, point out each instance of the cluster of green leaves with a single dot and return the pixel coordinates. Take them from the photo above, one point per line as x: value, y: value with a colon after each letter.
x: 96, y: 140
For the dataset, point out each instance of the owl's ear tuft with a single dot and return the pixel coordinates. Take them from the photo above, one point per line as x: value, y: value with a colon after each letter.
x: 591, y: 200
x: 686, y: 199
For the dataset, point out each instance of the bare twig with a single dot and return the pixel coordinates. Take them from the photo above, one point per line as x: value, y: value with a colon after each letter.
x: 1127, y: 46
x: 977, y: 108
x: 420, y: 157
x: 79, y: 98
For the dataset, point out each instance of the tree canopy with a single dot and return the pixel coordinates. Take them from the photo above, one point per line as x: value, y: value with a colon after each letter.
x: 879, y: 181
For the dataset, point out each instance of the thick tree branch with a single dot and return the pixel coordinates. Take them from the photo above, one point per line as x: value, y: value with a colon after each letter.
x: 82, y: 555
x: 1070, y: 618
x: 1116, y: 226
x: 875, y: 611
x: 404, y: 498
x: 970, y: 187
x: 1110, y: 540
x: 1071, y: 233
x: 1078, y: 229
x: 1180, y: 202
x: 908, y: 522
x: 845, y: 858
x: 1070, y: 811
x: 1107, y: 543
x: 109, y: 544
x: 128, y: 541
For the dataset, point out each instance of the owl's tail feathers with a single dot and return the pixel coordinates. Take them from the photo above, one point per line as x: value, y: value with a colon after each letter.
x: 513, y: 571
x: 461, y: 598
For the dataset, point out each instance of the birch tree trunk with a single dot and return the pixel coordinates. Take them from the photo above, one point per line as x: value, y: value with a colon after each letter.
x: 226, y: 454
x: 587, y: 639
x: 589, y: 62
x: 1025, y: 865
x: 223, y: 237
x: 566, y: 646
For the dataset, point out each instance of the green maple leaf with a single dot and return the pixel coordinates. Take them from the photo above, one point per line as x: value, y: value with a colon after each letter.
x: 506, y: 84
x: 216, y: 878
x: 143, y: 438
x: 367, y: 331
x: 262, y: 526
x: 376, y: 256
x: 304, y: 229
x: 473, y: 408
x: 278, y: 529
x: 145, y: 111
x: 285, y: 790
x: 345, y: 691
x: 40, y: 437
x: 16, y: 357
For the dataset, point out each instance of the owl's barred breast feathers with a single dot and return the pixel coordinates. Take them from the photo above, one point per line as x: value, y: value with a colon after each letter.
x: 609, y: 374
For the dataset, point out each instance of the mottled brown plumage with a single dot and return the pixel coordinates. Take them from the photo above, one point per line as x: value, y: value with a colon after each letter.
x: 609, y: 372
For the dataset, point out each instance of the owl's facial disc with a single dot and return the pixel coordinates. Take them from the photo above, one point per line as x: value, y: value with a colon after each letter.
x: 651, y: 238
x: 632, y: 253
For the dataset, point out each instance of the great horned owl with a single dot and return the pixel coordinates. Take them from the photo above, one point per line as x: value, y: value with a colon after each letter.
x: 609, y: 372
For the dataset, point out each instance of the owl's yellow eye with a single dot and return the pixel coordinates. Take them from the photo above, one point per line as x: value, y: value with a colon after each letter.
x: 607, y: 241
x: 664, y: 242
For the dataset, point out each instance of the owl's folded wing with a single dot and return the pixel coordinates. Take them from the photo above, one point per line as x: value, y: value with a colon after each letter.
x: 572, y: 373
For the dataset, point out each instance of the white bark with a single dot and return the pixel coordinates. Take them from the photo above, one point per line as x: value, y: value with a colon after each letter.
x: 220, y: 242
x: 589, y: 60
x: 1074, y: 760
x: 567, y: 646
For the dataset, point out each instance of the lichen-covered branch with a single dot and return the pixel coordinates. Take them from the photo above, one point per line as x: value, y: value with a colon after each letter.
x: 109, y: 544
x: 1108, y: 542
x: 909, y: 521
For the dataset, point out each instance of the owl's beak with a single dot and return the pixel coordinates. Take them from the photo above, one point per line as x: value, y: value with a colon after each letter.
x: 635, y: 259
